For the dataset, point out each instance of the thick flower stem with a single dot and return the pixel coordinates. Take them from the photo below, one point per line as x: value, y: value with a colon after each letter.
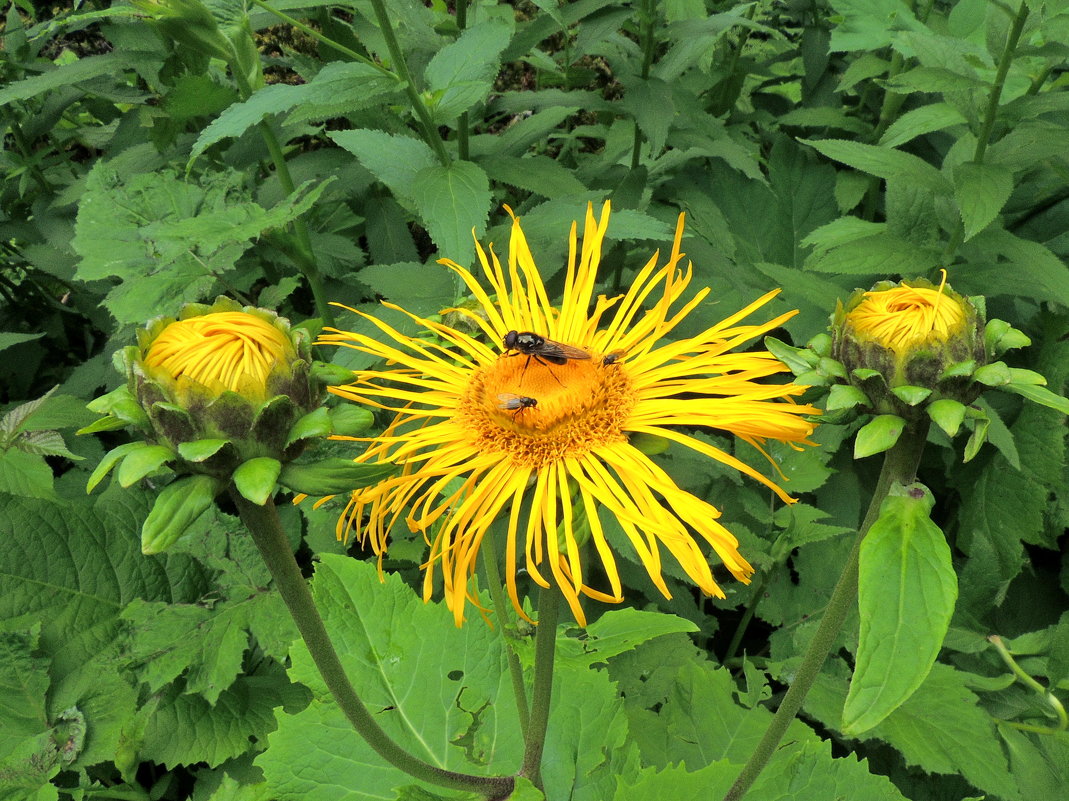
x: 899, y: 466
x: 542, y: 692
x: 1003, y: 69
x: 270, y: 539
x: 507, y: 628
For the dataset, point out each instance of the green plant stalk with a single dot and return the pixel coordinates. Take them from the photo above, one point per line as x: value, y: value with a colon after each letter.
x: 318, y: 36
x: 504, y: 625
x: 462, y: 120
x: 27, y: 153
x: 430, y: 132
x: 542, y: 692
x: 1049, y: 698
x: 303, y: 255
x: 751, y: 608
x: 648, y: 41
x: 1004, y: 63
x: 899, y: 466
x: 266, y: 529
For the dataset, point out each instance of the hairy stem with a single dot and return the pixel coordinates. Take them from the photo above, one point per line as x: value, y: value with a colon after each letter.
x: 266, y: 529
x: 507, y: 628
x: 899, y: 466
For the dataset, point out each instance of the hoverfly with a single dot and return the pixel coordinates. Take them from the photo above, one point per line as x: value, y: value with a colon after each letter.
x: 537, y: 347
x: 515, y: 403
x: 612, y: 358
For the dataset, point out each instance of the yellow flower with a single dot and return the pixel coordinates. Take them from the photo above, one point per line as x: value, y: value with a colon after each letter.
x: 234, y: 351
x: 542, y: 440
x: 904, y: 317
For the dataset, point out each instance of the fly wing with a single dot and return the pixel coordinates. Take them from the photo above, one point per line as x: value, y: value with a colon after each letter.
x: 558, y: 350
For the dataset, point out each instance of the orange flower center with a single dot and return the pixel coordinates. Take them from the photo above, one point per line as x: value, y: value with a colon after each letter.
x: 538, y: 413
x: 221, y: 351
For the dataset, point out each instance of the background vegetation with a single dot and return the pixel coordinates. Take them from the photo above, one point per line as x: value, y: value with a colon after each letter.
x: 176, y: 151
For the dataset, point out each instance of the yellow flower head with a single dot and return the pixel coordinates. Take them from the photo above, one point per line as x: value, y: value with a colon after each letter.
x: 902, y: 318
x: 530, y: 422
x: 221, y: 351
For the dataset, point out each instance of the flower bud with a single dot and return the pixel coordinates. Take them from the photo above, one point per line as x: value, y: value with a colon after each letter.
x: 909, y: 343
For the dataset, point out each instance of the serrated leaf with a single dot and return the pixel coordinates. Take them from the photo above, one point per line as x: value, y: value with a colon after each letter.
x: 882, y: 254
x: 23, y: 688
x: 394, y: 160
x: 883, y: 162
x: 454, y: 203
x: 462, y: 73
x: 25, y: 475
x: 906, y: 593
x: 8, y: 339
x: 920, y: 121
x: 617, y: 631
x: 650, y: 103
x: 44, y: 443
x: 83, y: 69
x: 878, y: 435
x: 981, y: 190
x: 538, y: 174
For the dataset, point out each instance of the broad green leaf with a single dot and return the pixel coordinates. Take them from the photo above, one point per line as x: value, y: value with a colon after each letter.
x: 617, y: 631
x: 462, y: 73
x: 23, y: 688
x: 338, y: 89
x: 906, y: 593
x: 7, y: 339
x: 933, y: 80
x: 187, y: 729
x: 882, y: 254
x: 332, y: 476
x: 454, y: 203
x: 424, y: 289
x: 394, y: 160
x: 883, y: 162
x: 84, y: 69
x: 868, y: 25
x: 86, y: 556
x: 878, y: 435
x: 1048, y: 276
x: 25, y: 475
x: 981, y: 191
x: 539, y: 174
x: 649, y: 103
x: 920, y: 121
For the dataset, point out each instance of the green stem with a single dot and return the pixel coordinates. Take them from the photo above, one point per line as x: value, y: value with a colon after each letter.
x: 27, y: 153
x: 542, y: 691
x: 430, y: 132
x: 899, y: 466
x: 747, y: 616
x: 270, y: 539
x: 462, y: 120
x: 648, y: 42
x: 303, y: 255
x: 355, y: 56
x: 507, y: 628
x: 1000, y: 81
x: 1049, y: 698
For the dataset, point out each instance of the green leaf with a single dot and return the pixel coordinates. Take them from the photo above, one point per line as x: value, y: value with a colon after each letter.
x: 84, y: 69
x: 454, y: 203
x: 906, y: 593
x: 394, y: 160
x: 176, y: 507
x: 141, y: 462
x: 981, y: 190
x: 109, y: 461
x: 255, y: 479
x: 883, y: 162
x: 844, y: 396
x: 1048, y: 277
x: 538, y: 174
x: 25, y: 474
x: 200, y: 449
x: 187, y: 729
x: 350, y: 420
x: 947, y: 414
x: 8, y: 339
x: 993, y: 375
x: 921, y: 121
x: 799, y: 360
x: 910, y: 395
x: 878, y: 435
x: 881, y: 254
x: 332, y: 476
x: 23, y: 688
x: 89, y: 561
x: 617, y: 631
x: 649, y: 103
x: 1040, y: 395
x: 462, y: 73
x: 338, y: 89
x: 314, y: 425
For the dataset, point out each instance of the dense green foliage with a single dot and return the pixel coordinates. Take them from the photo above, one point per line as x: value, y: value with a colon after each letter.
x: 815, y: 145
